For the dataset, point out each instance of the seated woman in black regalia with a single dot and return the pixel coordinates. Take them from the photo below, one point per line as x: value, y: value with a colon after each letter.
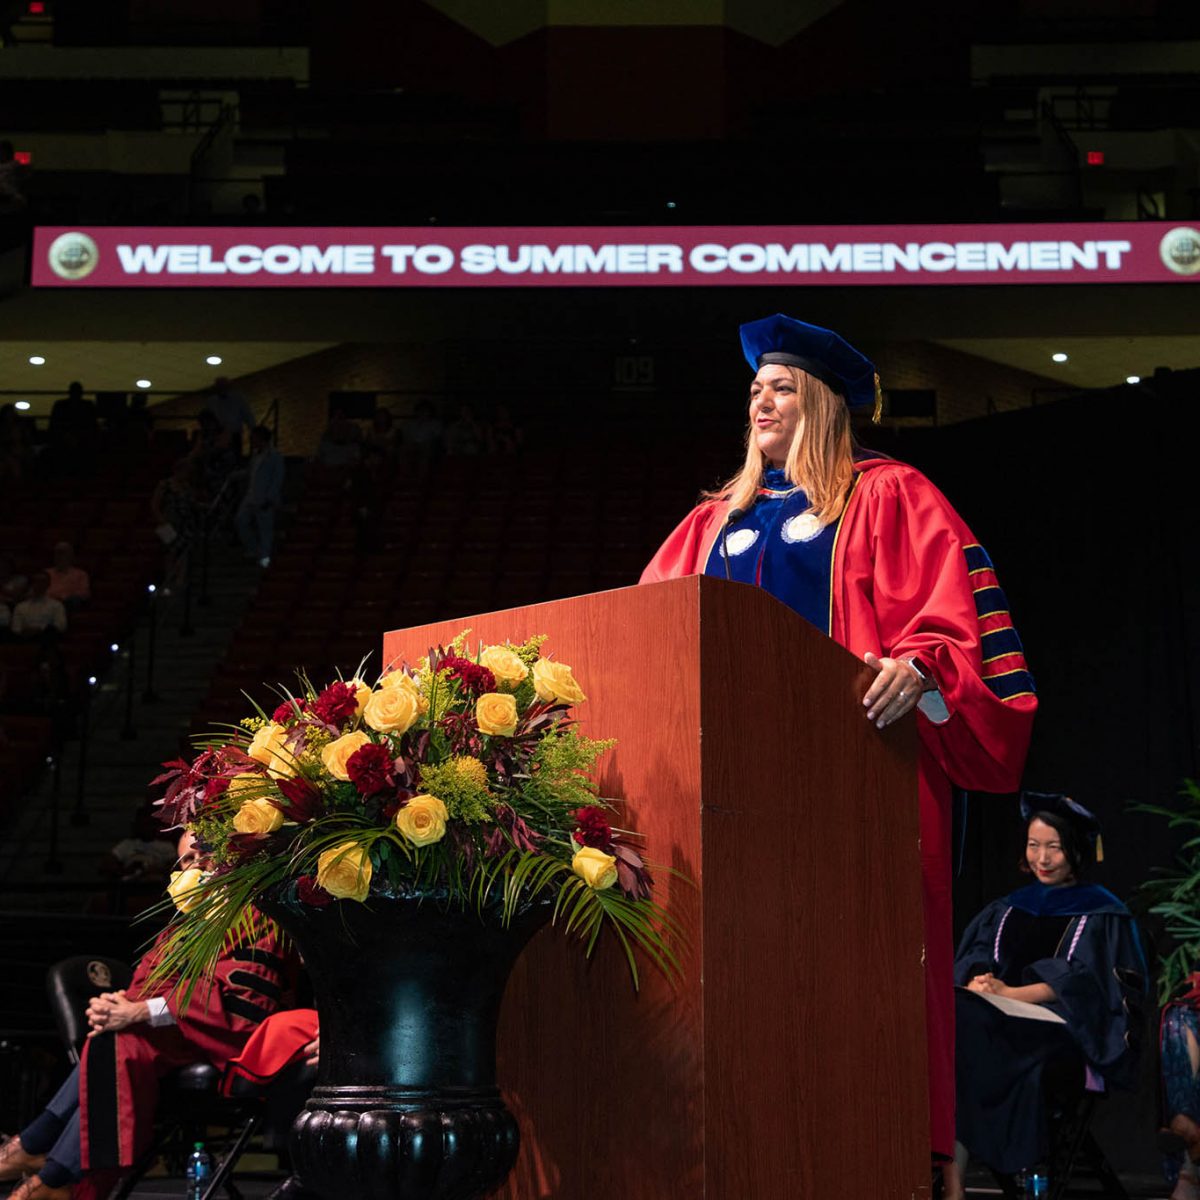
x: 1051, y: 982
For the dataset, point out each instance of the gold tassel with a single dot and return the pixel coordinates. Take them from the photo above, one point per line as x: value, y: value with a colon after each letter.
x: 1099, y: 848
x: 877, y: 415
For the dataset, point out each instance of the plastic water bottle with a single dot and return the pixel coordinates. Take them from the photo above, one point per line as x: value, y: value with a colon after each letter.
x: 1037, y: 1184
x: 199, y: 1172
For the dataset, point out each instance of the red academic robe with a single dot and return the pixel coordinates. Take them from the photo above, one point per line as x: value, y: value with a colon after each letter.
x: 910, y: 578
x: 119, y: 1072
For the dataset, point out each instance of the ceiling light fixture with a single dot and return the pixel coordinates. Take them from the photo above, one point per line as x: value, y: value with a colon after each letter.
x: 36, y: 360
x: 23, y: 405
x: 143, y: 383
x: 1133, y: 379
x: 213, y: 360
x: 1059, y: 357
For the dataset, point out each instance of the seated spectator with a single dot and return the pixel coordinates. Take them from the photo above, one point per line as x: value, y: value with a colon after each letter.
x: 1051, y: 988
x: 383, y: 434
x: 231, y: 409
x: 101, y: 1120
x: 465, y: 436
x: 68, y: 582
x: 341, y: 443
x: 425, y: 433
x: 148, y: 853
x: 39, y: 612
x: 255, y: 520
x: 504, y: 435
x: 1179, y: 1046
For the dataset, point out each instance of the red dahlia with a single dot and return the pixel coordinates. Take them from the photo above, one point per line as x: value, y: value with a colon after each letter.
x: 336, y: 704
x: 371, y: 769
x: 593, y: 828
x: 474, y: 678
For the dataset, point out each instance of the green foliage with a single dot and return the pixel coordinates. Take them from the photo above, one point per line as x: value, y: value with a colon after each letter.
x: 465, y: 797
x: 1174, y: 895
x: 558, y: 774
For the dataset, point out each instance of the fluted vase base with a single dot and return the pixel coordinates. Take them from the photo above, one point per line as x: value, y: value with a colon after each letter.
x: 408, y: 988
x: 384, y: 1143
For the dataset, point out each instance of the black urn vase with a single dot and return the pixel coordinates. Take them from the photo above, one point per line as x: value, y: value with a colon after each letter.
x: 408, y: 989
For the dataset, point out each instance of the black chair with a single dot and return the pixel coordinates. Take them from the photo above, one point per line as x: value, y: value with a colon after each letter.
x: 190, y: 1099
x: 71, y: 983
x: 1073, y: 1143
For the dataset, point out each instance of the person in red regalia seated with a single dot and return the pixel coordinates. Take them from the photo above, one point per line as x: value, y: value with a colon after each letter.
x: 101, y: 1120
x: 872, y: 554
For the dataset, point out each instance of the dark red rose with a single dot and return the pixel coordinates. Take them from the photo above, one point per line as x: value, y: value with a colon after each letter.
x: 309, y: 891
x: 592, y: 828
x: 371, y: 769
x: 336, y: 704
x: 285, y: 714
x: 303, y: 800
x: 474, y: 678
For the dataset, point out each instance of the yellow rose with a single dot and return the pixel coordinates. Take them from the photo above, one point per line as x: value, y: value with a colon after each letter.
x: 392, y: 709
x: 423, y: 820
x: 496, y: 713
x: 182, y: 888
x: 504, y: 664
x: 345, y: 871
x: 257, y: 816
x: 597, y: 869
x: 554, y: 681
x: 337, y: 753
x: 362, y: 693
x: 267, y: 747
x: 402, y: 679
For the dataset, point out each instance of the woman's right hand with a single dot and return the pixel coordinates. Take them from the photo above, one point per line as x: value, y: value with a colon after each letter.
x: 987, y: 984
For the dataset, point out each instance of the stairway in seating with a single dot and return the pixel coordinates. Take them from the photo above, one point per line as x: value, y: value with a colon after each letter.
x: 118, y: 770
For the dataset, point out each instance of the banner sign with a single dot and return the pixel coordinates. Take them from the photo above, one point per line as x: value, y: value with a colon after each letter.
x: 624, y: 256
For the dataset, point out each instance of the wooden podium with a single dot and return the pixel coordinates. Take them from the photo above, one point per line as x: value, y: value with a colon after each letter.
x: 790, y: 1061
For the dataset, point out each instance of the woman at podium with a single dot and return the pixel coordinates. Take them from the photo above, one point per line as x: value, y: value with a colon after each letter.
x: 869, y: 551
x: 1053, y: 987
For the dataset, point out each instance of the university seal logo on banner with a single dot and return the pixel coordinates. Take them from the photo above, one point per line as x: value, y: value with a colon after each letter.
x: 1180, y: 250
x: 73, y: 256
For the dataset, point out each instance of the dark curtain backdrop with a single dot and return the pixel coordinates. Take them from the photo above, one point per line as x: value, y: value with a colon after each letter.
x: 1087, y: 507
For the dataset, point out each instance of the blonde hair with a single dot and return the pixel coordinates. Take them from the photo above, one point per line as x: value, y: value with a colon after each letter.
x: 820, y: 459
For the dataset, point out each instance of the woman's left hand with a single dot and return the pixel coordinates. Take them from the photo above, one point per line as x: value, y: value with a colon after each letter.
x: 895, y: 691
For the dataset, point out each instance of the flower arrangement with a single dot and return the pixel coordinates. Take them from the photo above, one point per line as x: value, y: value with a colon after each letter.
x: 464, y: 778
